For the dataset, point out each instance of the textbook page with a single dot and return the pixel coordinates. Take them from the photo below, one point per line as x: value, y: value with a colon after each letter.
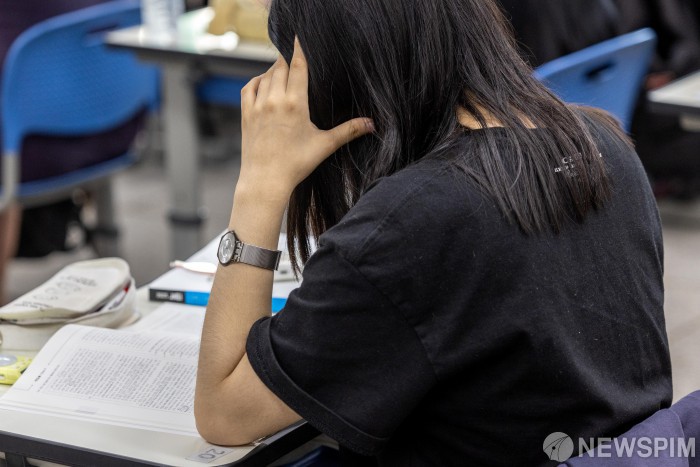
x: 175, y: 318
x: 135, y: 379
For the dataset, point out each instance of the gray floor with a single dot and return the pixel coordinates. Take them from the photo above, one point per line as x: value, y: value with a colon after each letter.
x: 141, y: 200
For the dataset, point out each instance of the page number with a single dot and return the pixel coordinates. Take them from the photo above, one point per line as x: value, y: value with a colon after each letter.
x: 209, y: 453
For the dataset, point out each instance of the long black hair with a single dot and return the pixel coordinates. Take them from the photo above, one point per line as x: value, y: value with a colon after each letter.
x: 409, y: 65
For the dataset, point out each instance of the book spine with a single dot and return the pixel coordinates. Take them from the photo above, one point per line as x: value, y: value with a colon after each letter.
x: 197, y: 298
x: 278, y: 304
x: 178, y: 296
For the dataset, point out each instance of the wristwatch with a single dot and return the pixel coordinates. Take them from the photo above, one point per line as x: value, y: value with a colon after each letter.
x: 233, y: 250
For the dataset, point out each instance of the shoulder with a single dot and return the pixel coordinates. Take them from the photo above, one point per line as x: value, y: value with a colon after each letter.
x: 604, y: 128
x: 404, y: 211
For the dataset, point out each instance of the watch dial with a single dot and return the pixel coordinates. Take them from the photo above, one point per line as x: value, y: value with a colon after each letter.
x: 226, y: 249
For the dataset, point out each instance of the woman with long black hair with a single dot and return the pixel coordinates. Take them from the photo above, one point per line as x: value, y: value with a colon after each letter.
x: 489, y: 262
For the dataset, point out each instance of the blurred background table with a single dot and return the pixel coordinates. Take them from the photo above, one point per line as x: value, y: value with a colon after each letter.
x: 682, y: 98
x: 194, y: 65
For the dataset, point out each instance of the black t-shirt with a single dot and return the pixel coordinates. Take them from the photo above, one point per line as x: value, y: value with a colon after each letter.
x: 431, y: 331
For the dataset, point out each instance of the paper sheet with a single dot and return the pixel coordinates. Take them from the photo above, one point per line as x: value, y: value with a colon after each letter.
x: 174, y: 318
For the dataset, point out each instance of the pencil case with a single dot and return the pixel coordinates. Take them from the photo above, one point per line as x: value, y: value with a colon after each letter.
x: 92, y: 293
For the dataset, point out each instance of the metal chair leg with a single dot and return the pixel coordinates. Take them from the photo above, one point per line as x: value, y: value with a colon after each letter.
x: 105, y: 236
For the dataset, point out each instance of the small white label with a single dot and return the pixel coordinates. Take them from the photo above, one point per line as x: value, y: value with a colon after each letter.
x: 209, y: 453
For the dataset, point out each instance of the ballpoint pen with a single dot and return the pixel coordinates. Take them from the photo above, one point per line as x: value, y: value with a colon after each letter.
x: 201, y: 267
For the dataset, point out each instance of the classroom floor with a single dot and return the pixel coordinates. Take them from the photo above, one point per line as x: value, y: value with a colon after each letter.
x: 141, y: 196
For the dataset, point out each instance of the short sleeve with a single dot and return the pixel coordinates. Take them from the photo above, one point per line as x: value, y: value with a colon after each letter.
x: 342, y: 356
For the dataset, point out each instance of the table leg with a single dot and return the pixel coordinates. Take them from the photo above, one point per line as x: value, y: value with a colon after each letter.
x: 186, y: 214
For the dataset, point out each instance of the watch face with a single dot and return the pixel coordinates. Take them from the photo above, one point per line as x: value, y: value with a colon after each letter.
x: 226, y: 248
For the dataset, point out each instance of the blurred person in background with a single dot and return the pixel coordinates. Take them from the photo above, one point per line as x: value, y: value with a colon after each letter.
x: 549, y: 29
x: 552, y: 28
x: 43, y: 229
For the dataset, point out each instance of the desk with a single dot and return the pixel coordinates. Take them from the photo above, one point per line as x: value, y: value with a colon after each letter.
x: 681, y: 97
x: 185, y: 62
x: 43, y: 437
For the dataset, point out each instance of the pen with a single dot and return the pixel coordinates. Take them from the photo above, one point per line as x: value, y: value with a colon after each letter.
x: 201, y: 267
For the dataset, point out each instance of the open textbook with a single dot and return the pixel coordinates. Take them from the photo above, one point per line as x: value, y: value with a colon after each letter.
x: 142, y: 376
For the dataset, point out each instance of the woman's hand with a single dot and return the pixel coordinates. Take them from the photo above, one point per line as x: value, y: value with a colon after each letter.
x: 280, y: 144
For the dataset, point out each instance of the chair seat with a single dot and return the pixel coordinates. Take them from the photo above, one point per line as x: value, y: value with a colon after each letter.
x: 29, y: 190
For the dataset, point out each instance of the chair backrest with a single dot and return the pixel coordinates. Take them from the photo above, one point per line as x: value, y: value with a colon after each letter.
x: 221, y: 90
x: 59, y: 78
x: 667, y: 439
x: 608, y: 75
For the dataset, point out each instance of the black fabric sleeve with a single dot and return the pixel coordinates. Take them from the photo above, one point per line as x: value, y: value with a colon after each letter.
x: 342, y: 356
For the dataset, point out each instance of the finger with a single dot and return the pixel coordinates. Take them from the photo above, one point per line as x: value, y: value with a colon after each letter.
x: 264, y: 87
x: 349, y: 131
x: 249, y: 92
x: 278, y: 83
x: 298, y: 82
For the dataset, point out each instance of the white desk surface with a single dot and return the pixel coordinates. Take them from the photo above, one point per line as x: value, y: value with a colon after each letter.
x: 679, y: 97
x: 146, y: 446
x: 192, y: 40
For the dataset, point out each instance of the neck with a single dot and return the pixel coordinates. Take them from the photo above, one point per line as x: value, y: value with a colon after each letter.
x: 469, y: 121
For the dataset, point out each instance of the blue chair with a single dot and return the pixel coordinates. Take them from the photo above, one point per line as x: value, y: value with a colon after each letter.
x: 678, y: 427
x: 60, y: 80
x: 608, y: 75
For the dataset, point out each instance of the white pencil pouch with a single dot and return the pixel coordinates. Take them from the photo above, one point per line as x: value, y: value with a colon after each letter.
x: 75, y: 290
x: 33, y: 334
